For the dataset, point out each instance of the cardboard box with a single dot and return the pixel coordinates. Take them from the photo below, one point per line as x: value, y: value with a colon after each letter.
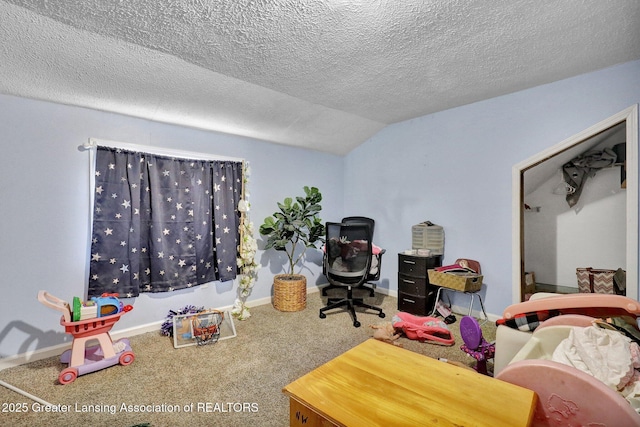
x: 463, y: 282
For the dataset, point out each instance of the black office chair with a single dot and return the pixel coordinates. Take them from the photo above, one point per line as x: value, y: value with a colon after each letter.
x: 376, y: 260
x: 346, y: 264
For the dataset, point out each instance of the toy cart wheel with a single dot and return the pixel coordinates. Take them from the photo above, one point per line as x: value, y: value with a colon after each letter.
x: 68, y: 375
x: 127, y: 358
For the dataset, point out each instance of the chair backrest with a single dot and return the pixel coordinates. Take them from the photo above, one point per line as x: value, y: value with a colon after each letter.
x: 354, y: 219
x: 348, y: 253
x: 374, y: 272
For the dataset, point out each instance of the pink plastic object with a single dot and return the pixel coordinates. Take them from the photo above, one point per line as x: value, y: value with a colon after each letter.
x: 568, y: 396
x: 423, y: 328
x: 56, y: 303
x: 595, y: 305
x: 567, y: 320
x: 80, y: 358
x: 93, y: 360
x: 474, y: 343
x: 90, y: 329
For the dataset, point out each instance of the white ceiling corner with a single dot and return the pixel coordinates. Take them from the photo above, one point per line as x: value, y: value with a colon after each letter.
x: 324, y: 75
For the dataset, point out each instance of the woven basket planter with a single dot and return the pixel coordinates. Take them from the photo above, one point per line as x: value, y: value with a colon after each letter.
x: 289, y: 292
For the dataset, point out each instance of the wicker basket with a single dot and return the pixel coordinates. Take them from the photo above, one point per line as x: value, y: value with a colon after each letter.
x: 289, y: 292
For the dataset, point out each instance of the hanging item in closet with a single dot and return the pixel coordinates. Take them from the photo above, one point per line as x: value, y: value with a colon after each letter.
x: 621, y: 153
x: 577, y: 170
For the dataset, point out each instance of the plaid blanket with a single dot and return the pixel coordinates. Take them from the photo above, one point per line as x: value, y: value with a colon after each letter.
x: 528, y: 321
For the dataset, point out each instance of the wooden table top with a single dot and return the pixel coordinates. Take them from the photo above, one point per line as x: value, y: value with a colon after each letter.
x: 378, y: 384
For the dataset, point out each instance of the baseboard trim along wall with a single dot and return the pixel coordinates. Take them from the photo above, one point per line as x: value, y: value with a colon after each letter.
x: 56, y: 350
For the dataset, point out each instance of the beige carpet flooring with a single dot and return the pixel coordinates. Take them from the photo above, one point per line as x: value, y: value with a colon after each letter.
x: 234, y: 382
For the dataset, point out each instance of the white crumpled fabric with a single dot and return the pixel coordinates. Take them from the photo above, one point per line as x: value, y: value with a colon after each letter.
x: 600, y: 352
x: 605, y: 354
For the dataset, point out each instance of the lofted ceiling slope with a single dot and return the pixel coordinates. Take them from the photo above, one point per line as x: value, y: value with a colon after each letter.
x: 319, y: 74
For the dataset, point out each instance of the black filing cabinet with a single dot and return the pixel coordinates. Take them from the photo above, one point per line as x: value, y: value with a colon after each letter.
x: 415, y: 294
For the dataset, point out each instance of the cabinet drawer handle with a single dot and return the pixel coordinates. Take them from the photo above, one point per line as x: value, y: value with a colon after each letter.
x: 408, y: 262
x: 408, y: 300
x: 408, y: 281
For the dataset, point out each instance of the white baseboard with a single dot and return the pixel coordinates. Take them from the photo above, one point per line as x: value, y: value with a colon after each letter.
x: 56, y: 350
x: 475, y: 313
x: 32, y: 356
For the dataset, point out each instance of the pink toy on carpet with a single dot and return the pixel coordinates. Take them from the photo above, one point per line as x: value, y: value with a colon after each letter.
x: 430, y: 329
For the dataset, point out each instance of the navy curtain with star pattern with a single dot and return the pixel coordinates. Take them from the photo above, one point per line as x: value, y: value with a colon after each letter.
x: 161, y: 224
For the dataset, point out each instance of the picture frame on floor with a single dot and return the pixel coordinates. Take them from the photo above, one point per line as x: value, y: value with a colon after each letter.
x: 202, y: 328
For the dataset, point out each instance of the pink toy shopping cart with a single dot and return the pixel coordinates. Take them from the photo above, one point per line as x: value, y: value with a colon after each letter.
x: 80, y: 358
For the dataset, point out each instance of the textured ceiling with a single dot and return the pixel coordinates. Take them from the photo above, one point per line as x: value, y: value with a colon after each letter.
x: 320, y: 74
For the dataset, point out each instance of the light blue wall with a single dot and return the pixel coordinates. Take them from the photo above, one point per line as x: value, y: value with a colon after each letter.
x: 44, y: 210
x: 454, y: 168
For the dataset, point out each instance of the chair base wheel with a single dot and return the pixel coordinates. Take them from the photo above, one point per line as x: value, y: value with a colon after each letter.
x: 322, y: 315
x: 381, y: 315
x: 356, y: 324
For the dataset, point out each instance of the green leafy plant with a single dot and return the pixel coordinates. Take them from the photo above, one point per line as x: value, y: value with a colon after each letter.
x: 295, y: 227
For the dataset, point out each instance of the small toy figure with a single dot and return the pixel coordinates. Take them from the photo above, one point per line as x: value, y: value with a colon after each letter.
x: 385, y: 332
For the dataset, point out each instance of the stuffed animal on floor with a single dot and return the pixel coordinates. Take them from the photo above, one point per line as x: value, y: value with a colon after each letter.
x: 385, y: 332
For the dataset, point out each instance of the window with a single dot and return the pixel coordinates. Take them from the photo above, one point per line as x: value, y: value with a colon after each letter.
x: 162, y: 223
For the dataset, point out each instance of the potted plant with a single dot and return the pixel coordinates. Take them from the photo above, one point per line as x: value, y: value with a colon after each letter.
x: 293, y: 229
